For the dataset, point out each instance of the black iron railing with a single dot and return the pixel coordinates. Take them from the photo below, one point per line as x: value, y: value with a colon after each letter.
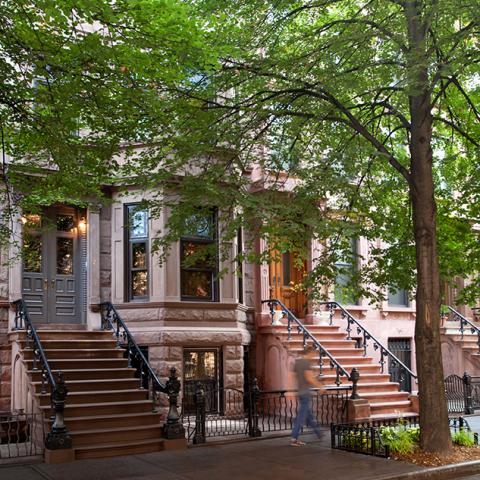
x: 255, y: 412
x: 21, y: 435
x: 58, y: 437
x: 323, y: 353
x: 148, y: 379
x: 462, y: 393
x: 465, y: 324
x: 366, y: 339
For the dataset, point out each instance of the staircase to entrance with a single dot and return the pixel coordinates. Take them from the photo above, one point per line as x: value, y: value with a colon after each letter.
x: 111, y: 405
x: 339, y: 353
x: 460, y: 343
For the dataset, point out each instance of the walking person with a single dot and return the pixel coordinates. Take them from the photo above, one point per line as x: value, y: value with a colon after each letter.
x: 306, y: 380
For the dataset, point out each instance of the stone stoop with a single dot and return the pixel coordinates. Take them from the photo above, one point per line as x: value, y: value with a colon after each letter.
x: 462, y: 353
x: 384, y: 396
x: 106, y: 412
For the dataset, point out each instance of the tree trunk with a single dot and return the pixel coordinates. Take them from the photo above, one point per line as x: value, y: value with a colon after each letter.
x: 434, y: 428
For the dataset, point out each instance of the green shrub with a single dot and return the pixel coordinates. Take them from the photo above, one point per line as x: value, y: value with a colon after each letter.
x: 399, y: 439
x: 463, y: 437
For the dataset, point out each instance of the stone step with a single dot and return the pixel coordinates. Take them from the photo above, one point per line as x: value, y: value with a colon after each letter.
x: 64, y: 344
x: 390, y: 408
x: 108, y: 396
x: 119, y: 434
x: 315, y: 329
x: 74, y: 335
x: 363, y: 369
x: 114, y: 449
x: 106, y: 408
x: 328, y: 344
x: 385, y: 396
x: 378, y: 387
x: 111, y: 421
x: 72, y: 354
x: 88, y: 374
x: 95, y: 385
x: 87, y: 363
x: 365, y: 378
x: 320, y: 338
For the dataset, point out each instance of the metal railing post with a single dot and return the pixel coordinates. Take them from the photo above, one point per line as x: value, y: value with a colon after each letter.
x: 200, y: 414
x: 253, y: 430
x: 467, y: 393
x: 354, y: 377
x: 58, y: 438
x: 173, y: 428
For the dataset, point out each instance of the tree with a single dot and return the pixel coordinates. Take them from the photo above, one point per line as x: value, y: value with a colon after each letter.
x: 81, y: 82
x: 373, y: 102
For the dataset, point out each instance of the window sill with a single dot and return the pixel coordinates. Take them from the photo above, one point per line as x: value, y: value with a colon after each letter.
x: 406, y: 310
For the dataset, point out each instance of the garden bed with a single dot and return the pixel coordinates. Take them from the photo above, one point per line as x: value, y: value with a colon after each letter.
x: 459, y: 454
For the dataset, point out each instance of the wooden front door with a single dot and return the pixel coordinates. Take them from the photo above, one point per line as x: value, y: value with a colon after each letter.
x: 285, y: 279
x: 52, y: 266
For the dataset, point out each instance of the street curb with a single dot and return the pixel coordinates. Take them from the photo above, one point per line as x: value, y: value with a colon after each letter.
x: 445, y: 472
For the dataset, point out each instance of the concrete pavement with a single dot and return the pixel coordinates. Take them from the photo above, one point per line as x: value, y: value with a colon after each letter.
x: 269, y: 459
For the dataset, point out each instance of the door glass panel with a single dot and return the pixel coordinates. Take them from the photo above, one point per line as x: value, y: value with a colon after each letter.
x: 65, y: 256
x: 139, y: 255
x: 139, y: 284
x: 65, y: 223
x: 32, y: 253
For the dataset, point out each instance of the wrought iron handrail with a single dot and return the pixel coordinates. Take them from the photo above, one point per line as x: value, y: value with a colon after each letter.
x: 58, y: 437
x: 464, y: 322
x: 111, y: 320
x: 23, y: 320
x: 384, y: 351
x: 301, y: 328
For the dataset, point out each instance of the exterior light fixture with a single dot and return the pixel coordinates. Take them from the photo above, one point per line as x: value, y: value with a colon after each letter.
x: 82, y: 225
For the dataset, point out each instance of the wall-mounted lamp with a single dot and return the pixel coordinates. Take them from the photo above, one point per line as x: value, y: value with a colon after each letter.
x: 82, y: 225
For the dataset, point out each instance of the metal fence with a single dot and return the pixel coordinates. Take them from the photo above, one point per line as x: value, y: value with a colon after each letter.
x: 21, y: 435
x: 366, y: 437
x: 252, y: 413
x: 462, y: 393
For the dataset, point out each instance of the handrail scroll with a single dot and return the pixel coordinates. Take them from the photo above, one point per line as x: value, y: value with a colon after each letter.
x: 58, y: 438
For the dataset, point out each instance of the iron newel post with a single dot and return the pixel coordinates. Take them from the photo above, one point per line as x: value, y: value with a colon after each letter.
x: 58, y: 438
x: 173, y: 428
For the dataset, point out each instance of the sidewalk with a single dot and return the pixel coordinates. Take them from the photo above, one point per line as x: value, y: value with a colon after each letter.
x: 269, y: 459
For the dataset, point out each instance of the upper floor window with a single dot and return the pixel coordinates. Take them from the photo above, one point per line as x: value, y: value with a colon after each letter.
x: 346, y: 268
x: 137, y: 252
x: 398, y: 298
x: 198, y: 256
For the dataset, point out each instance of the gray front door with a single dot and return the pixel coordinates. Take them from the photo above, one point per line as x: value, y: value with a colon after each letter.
x: 51, y: 279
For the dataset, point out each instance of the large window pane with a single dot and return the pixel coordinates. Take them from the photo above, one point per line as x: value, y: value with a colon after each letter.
x: 139, y: 255
x: 136, y: 251
x: 398, y: 298
x: 197, y: 284
x: 139, y: 284
x: 346, y: 267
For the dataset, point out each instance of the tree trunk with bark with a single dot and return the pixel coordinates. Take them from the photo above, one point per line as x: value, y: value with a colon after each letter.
x: 434, y: 428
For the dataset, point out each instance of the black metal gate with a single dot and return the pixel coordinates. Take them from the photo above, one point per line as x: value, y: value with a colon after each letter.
x: 401, y: 348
